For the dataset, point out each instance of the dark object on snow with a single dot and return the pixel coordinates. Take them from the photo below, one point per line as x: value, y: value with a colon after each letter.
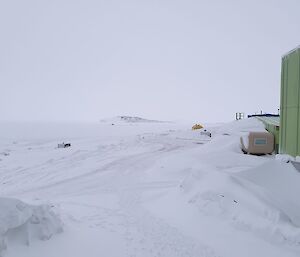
x: 205, y: 132
x: 64, y: 145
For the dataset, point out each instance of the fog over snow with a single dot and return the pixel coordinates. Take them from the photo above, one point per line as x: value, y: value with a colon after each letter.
x: 168, y: 60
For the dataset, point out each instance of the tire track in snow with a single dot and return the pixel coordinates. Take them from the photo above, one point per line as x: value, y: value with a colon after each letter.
x: 145, y: 234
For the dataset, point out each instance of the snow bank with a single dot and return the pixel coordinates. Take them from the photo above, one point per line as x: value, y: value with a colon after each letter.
x: 226, y: 137
x: 23, y: 222
x: 245, y: 139
x: 287, y: 158
x: 254, y: 194
x: 241, y: 127
x: 278, y: 182
x: 264, y: 211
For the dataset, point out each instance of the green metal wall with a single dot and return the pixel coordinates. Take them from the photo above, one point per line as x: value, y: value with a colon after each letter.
x: 289, y: 141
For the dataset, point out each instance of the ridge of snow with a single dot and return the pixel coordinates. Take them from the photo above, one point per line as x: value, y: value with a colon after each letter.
x: 20, y: 219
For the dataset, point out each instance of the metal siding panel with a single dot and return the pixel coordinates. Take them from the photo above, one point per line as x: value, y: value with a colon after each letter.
x: 291, y: 128
x: 298, y: 104
x: 293, y: 83
x: 289, y: 104
x: 281, y: 95
x: 282, y: 143
x: 285, y: 89
x: 285, y: 102
x: 298, y: 139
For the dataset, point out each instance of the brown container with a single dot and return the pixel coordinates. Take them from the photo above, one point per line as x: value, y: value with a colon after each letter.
x: 258, y: 143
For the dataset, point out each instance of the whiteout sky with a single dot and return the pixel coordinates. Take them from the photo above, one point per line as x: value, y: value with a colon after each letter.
x: 169, y: 60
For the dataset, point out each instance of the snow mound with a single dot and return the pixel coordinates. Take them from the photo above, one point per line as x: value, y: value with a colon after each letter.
x: 287, y: 158
x: 242, y: 126
x: 278, y: 182
x: 258, y: 195
x: 23, y: 222
x: 225, y: 197
x: 131, y: 119
x: 226, y: 137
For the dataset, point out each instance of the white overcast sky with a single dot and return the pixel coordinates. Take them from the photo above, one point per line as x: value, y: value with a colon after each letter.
x: 169, y: 60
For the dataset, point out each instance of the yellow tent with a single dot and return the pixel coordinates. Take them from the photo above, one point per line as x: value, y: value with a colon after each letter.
x: 197, y: 126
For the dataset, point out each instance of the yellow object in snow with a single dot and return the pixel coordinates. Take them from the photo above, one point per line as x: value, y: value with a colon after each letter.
x: 197, y: 126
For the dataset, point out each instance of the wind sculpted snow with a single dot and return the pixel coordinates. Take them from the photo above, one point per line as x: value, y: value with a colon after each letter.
x: 143, y: 190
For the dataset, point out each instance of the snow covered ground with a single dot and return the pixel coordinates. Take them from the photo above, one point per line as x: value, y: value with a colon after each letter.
x: 139, y: 189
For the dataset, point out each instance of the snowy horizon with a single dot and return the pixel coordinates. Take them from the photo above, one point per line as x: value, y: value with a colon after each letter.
x: 165, y: 60
x: 118, y: 130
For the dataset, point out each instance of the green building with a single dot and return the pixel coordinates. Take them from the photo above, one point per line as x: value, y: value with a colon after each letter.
x: 289, y: 136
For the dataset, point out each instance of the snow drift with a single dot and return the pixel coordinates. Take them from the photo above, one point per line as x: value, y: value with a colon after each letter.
x: 278, y: 182
x: 22, y: 222
x: 152, y: 189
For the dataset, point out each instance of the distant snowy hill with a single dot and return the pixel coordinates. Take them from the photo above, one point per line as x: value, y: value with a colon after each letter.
x: 130, y: 119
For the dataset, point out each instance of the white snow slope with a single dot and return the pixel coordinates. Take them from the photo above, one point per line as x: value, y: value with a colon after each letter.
x: 142, y: 189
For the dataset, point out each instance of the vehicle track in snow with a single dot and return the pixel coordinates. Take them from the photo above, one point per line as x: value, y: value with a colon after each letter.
x: 118, y: 171
x: 145, y: 234
x: 85, y: 166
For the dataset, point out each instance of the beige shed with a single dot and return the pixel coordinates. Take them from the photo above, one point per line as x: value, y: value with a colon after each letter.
x: 258, y: 143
